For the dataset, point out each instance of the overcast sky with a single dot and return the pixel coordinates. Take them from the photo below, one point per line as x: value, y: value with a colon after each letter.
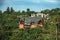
x: 35, y: 5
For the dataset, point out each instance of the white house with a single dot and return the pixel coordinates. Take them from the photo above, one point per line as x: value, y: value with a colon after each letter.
x: 40, y: 15
x: 33, y: 15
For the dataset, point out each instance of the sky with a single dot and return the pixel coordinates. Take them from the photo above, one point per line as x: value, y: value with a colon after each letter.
x: 33, y: 5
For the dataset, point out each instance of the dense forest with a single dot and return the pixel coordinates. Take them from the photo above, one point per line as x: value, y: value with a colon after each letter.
x: 9, y: 26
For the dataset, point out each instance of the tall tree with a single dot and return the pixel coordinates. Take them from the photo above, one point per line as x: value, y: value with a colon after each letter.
x: 8, y: 10
x: 12, y: 10
x: 28, y: 10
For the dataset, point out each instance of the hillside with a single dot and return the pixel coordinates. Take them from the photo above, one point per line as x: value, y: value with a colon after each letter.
x: 9, y: 29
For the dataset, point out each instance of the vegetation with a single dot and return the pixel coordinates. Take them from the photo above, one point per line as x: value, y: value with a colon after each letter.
x: 9, y: 26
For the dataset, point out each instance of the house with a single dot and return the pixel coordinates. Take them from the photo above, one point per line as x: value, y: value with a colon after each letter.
x: 29, y: 22
x: 41, y: 15
x: 32, y: 21
x: 33, y: 15
x: 37, y: 15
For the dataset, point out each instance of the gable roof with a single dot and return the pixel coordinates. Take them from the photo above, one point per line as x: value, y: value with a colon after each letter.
x: 28, y: 20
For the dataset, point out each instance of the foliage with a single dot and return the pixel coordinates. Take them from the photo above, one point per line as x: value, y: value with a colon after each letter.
x: 9, y: 26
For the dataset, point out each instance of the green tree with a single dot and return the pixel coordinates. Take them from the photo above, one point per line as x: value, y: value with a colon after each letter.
x: 8, y: 10
x: 12, y: 10
x: 28, y: 10
x: 45, y: 11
